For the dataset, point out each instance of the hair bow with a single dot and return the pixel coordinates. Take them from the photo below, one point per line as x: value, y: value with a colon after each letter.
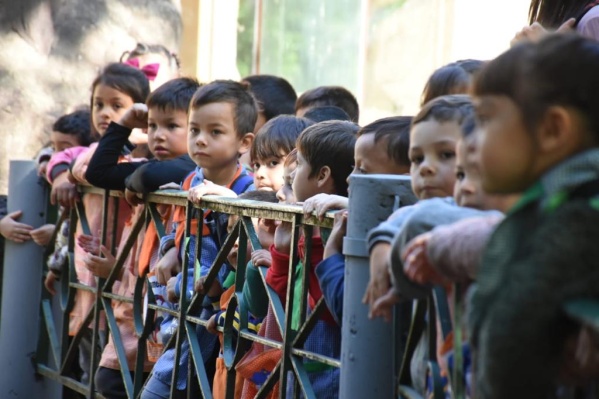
x: 150, y: 70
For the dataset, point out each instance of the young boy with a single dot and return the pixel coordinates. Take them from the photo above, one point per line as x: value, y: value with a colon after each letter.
x: 336, y: 96
x: 433, y: 138
x: 324, y: 161
x: 381, y: 148
x: 222, y: 116
x: 539, y: 135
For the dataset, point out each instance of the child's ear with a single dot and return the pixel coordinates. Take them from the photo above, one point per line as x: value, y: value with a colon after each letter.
x: 561, y: 130
x: 324, y: 177
x: 245, y: 143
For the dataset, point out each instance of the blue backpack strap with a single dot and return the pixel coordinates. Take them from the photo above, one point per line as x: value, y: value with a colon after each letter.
x: 242, y: 183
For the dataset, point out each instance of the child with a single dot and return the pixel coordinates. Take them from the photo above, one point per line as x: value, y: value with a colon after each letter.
x: 114, y: 90
x: 222, y: 116
x: 324, y: 161
x: 433, y: 139
x: 326, y: 113
x: 538, y: 135
x: 336, y: 96
x: 274, y: 95
x: 381, y: 148
x: 166, y: 118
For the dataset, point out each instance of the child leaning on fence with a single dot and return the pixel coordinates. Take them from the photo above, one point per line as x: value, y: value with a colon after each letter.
x: 221, y: 119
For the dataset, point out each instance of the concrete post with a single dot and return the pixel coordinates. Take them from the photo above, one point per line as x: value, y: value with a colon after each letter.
x: 21, y: 292
x: 367, y: 359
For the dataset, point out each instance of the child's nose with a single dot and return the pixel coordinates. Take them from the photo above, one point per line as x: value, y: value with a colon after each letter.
x: 426, y: 169
x: 281, y: 195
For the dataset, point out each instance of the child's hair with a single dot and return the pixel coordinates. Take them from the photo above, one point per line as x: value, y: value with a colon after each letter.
x: 143, y: 49
x: 260, y: 195
x: 175, y: 94
x: 277, y: 137
x: 336, y: 96
x: 553, y: 13
x: 454, y: 78
x: 78, y: 124
x: 331, y: 144
x: 275, y: 95
x: 236, y: 93
x: 451, y: 108
x: 124, y: 78
x: 291, y: 158
x: 326, y: 113
x: 396, y: 131
x: 559, y: 70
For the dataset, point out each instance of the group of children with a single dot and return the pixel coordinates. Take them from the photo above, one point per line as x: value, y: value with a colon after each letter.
x: 503, y: 162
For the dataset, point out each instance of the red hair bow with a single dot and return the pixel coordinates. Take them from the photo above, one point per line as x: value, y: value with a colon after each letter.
x: 150, y: 70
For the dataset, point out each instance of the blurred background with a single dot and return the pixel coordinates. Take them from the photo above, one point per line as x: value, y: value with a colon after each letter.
x: 382, y: 50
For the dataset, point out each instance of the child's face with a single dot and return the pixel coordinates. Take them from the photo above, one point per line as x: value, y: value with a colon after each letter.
x: 432, y: 157
x: 265, y: 230
x: 61, y: 141
x: 108, y: 105
x: 304, y: 186
x: 268, y: 173
x: 372, y: 158
x: 467, y: 191
x: 285, y: 193
x: 167, y: 133
x: 507, y: 150
x: 213, y: 143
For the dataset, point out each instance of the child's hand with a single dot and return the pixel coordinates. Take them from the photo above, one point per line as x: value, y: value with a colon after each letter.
x: 380, y: 280
x: 211, y: 325
x: 90, y: 244
x: 208, y: 188
x: 416, y: 264
x: 13, y: 230
x: 213, y: 291
x: 170, y: 186
x: 321, y: 203
x: 132, y: 198
x: 135, y: 117
x: 64, y: 192
x: 42, y: 168
x: 335, y: 242
x: 383, y: 307
x: 283, y: 237
x: 42, y: 235
x: 170, y: 290
x: 100, y: 267
x: 261, y: 257
x: 167, y: 267
x: 49, y: 283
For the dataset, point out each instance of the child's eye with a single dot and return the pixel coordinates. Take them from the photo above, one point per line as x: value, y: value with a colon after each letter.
x: 172, y: 126
x: 117, y: 106
x: 216, y: 132
x: 256, y: 165
x: 193, y: 131
x: 152, y: 126
x: 98, y: 105
x: 272, y: 164
x: 447, y: 155
x: 460, y: 176
x: 416, y: 160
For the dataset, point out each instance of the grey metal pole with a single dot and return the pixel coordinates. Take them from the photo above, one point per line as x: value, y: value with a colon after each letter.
x: 367, y: 359
x: 21, y: 292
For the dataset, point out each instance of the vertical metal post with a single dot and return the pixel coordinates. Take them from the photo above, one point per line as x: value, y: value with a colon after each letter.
x: 21, y: 292
x: 367, y: 359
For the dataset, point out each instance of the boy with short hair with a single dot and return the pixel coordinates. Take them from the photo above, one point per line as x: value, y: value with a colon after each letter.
x: 336, y: 96
x: 222, y: 116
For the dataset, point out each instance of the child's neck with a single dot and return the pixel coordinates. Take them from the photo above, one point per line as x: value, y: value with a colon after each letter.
x: 222, y: 176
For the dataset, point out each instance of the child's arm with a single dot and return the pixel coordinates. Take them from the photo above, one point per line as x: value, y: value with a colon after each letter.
x: 149, y: 176
x: 104, y: 169
x: 331, y: 271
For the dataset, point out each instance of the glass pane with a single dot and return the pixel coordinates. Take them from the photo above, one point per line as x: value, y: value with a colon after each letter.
x: 245, y: 36
x: 312, y: 42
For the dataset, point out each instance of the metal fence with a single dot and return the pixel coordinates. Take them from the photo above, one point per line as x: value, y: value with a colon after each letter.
x: 374, y: 355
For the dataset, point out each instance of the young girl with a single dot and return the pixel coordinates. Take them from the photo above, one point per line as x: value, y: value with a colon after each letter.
x: 114, y: 90
x: 454, y: 78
